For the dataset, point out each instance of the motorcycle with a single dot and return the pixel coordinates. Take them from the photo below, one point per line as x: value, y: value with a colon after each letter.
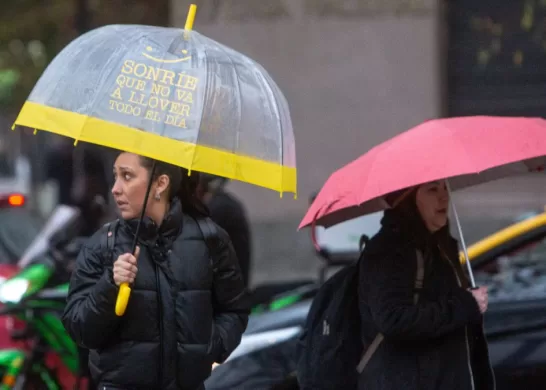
x: 43, y: 356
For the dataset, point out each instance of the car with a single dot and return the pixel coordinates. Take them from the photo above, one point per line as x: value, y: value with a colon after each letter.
x: 510, y: 262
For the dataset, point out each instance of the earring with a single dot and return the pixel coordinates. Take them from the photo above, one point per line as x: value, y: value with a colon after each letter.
x: 157, y: 196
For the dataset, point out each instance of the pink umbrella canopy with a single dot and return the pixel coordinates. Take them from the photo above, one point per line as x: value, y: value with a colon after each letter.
x: 466, y: 150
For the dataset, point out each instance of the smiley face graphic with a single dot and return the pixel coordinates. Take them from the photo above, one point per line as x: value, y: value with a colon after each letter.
x: 149, y: 49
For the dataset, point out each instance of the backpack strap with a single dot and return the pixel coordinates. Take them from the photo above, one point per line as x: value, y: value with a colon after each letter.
x: 108, y: 240
x: 419, y: 277
x: 210, y: 235
x: 368, y: 353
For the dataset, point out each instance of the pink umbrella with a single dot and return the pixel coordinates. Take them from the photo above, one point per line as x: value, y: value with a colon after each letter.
x: 465, y: 150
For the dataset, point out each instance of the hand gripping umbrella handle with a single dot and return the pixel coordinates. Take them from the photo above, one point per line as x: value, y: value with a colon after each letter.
x: 123, y: 299
x: 124, y: 290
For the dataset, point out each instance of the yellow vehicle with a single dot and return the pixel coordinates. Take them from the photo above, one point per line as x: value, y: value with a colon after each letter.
x: 512, y: 261
x: 521, y: 231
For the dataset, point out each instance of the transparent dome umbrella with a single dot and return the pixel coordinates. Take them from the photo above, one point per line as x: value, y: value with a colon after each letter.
x: 173, y: 95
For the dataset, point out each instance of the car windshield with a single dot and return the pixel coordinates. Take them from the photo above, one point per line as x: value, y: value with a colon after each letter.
x: 344, y: 238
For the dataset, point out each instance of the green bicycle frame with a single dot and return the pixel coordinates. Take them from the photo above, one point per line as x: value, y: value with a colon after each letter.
x: 47, y: 325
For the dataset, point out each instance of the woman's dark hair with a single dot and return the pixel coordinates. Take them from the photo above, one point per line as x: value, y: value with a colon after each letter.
x: 182, y: 185
x: 404, y: 204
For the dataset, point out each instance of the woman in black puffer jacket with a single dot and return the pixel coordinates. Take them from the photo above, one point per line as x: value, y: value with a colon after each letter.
x: 188, y: 307
x: 437, y: 343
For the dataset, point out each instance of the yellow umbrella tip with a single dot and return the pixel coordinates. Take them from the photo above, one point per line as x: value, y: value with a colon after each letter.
x: 191, y: 17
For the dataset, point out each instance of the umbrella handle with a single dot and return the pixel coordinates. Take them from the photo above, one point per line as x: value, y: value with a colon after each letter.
x: 123, y: 299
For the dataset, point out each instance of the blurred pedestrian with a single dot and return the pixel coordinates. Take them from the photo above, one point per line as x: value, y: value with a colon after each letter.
x: 90, y: 187
x: 59, y: 167
x: 229, y: 213
x: 427, y: 335
x: 82, y: 178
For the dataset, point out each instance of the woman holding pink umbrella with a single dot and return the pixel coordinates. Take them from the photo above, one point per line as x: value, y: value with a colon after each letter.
x: 421, y: 316
x: 428, y: 336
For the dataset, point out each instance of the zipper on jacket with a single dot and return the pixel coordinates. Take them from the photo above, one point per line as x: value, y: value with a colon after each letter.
x: 160, y: 319
x: 468, y: 360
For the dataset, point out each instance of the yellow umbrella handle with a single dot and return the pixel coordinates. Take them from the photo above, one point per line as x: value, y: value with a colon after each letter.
x: 123, y: 299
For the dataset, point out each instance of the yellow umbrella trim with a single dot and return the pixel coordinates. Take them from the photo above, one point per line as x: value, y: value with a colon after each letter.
x: 184, y: 154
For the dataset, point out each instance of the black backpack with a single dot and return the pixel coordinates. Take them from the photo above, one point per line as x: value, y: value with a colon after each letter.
x: 330, y: 350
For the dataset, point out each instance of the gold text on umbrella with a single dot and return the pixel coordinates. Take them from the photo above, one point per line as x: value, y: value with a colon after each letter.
x: 153, y: 93
x: 174, y: 61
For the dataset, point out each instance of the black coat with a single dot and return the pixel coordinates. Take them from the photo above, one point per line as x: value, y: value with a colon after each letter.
x: 230, y: 215
x: 182, y: 315
x: 438, y: 343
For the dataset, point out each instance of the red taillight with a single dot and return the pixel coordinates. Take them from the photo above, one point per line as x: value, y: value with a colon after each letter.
x: 12, y: 200
x: 16, y: 200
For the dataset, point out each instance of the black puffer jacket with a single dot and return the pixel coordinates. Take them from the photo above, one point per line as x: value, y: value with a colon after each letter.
x: 438, y: 343
x: 182, y: 315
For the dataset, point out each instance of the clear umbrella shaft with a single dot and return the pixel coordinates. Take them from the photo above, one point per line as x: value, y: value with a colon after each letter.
x: 461, y: 237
